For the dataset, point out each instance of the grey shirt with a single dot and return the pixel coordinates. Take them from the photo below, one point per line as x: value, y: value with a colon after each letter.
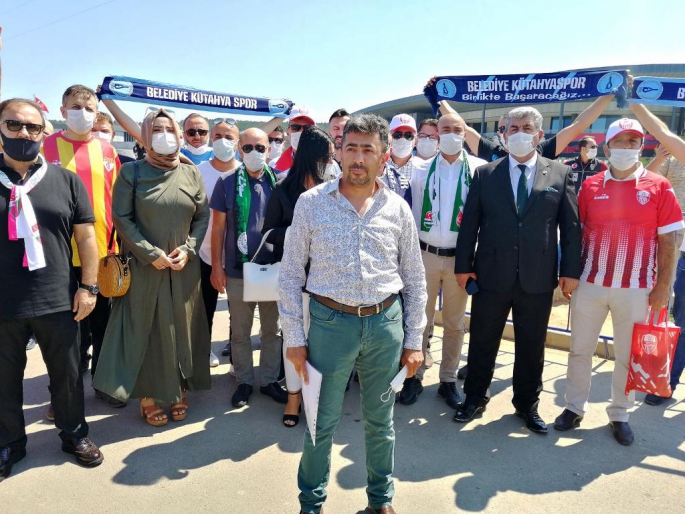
x: 354, y: 260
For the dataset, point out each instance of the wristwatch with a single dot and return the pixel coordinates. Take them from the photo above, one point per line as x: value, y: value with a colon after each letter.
x: 94, y: 290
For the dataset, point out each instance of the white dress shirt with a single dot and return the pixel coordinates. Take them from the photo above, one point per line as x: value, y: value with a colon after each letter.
x: 515, y: 173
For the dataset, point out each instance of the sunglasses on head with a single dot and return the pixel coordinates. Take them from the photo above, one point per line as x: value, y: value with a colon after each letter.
x: 194, y: 132
x: 249, y: 148
x: 32, y: 128
x: 228, y: 121
x: 170, y: 112
x: 278, y: 140
x: 296, y: 127
x: 406, y: 135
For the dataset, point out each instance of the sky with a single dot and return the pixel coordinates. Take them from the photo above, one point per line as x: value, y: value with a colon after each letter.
x: 324, y: 54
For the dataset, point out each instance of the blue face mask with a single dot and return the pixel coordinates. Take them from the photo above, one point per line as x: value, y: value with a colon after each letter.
x: 20, y: 149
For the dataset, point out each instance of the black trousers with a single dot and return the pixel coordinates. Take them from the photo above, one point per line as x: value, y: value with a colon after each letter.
x: 489, y: 311
x: 209, y: 294
x: 58, y: 339
x: 93, y: 328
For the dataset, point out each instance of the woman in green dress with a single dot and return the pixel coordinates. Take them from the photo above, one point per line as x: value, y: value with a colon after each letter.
x: 157, y: 341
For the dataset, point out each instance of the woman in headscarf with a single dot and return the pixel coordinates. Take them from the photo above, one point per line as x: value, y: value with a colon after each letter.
x: 157, y: 341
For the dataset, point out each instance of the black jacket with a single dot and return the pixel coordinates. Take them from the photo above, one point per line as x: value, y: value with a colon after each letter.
x: 279, y: 216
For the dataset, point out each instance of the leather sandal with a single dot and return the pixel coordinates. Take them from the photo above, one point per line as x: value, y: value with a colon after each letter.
x: 150, y: 412
x: 291, y: 420
x: 181, y: 409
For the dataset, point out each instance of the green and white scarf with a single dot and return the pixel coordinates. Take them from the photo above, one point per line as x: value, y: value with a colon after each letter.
x: 430, y: 211
x: 243, y: 198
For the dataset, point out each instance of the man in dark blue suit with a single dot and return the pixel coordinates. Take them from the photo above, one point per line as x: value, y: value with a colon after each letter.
x: 513, y: 210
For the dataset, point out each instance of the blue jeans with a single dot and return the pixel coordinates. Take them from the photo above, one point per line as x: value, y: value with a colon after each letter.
x: 679, y: 317
x: 337, y: 342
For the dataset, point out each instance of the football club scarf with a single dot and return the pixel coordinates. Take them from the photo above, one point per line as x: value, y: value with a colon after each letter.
x: 430, y: 210
x: 658, y: 91
x: 243, y: 198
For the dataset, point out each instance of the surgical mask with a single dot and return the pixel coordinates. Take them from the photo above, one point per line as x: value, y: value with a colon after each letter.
x: 623, y: 158
x: 328, y: 171
x: 105, y: 136
x: 451, y: 144
x: 224, y: 149
x: 401, y: 148
x: 254, y: 161
x: 426, y: 147
x: 395, y: 385
x: 520, y: 144
x: 20, y: 149
x: 592, y: 153
x: 295, y: 139
x: 164, y: 143
x: 198, y: 151
x: 80, y: 121
x: 275, y: 150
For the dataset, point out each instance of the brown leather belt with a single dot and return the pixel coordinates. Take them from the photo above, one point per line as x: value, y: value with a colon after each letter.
x: 363, y: 311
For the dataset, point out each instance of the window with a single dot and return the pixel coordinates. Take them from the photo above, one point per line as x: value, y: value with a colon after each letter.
x: 555, y: 123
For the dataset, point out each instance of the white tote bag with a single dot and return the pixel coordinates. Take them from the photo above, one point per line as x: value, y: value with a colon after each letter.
x: 260, y: 281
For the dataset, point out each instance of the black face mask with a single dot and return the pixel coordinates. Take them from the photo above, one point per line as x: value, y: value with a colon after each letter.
x: 19, y: 149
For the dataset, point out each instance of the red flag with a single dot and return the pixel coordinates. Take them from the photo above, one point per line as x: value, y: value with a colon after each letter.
x: 40, y: 103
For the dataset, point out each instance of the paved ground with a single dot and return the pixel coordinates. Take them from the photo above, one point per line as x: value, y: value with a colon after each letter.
x: 239, y: 461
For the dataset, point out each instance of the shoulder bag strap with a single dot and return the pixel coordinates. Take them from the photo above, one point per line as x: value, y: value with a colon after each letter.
x: 261, y: 244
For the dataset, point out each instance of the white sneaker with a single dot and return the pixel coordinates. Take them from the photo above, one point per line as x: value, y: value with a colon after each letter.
x: 231, y: 370
x: 213, y: 360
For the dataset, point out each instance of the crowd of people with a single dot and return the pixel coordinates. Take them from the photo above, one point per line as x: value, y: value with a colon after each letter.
x: 369, y: 221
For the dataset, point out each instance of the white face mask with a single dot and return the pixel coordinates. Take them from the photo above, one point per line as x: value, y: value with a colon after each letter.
x: 224, y: 149
x: 622, y: 159
x: 80, y: 121
x: 275, y: 150
x: 591, y: 153
x: 401, y: 148
x: 520, y: 144
x: 426, y: 148
x: 197, y: 151
x: 254, y: 161
x: 328, y: 171
x: 164, y: 143
x: 451, y: 144
x: 105, y: 136
x: 295, y: 139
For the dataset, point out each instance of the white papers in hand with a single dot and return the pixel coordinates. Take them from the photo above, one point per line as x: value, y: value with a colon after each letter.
x: 310, y: 397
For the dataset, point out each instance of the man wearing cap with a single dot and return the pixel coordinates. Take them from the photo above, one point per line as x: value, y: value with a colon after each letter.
x: 439, y: 188
x: 403, y: 134
x: 300, y: 117
x: 586, y: 164
x: 629, y: 217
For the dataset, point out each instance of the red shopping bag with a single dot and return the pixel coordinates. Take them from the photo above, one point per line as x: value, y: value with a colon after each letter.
x: 651, y: 355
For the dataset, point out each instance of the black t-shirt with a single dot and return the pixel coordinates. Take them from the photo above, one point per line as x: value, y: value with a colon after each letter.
x: 60, y: 201
x: 491, y: 150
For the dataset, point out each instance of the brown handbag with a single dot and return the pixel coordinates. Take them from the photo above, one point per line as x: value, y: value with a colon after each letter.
x: 114, y: 271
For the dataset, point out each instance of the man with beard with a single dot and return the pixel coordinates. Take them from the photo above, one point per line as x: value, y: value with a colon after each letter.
x: 336, y: 125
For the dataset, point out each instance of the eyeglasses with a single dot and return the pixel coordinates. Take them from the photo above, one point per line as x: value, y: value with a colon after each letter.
x: 591, y: 146
x: 296, y: 127
x: 32, y: 128
x: 427, y: 136
x: 501, y: 130
x: 278, y: 140
x: 249, y: 148
x: 406, y: 135
x: 228, y: 121
x: 194, y: 132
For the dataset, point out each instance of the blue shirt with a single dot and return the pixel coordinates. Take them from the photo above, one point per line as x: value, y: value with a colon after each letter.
x: 198, y: 159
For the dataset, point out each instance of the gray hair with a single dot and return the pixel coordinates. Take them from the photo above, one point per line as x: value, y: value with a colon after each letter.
x: 368, y: 123
x: 519, y: 113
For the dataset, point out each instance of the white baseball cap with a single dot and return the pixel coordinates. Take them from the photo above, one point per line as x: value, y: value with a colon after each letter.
x: 403, y: 121
x: 624, y: 125
x: 302, y: 111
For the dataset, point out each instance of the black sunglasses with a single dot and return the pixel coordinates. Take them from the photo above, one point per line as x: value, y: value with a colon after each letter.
x: 406, y: 135
x: 278, y: 140
x: 194, y: 132
x: 296, y: 127
x: 501, y: 130
x: 32, y: 128
x: 249, y: 148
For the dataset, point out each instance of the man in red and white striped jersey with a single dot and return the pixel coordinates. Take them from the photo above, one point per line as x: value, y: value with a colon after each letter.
x: 629, y: 219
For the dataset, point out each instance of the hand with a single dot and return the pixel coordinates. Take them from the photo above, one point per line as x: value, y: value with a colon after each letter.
x: 431, y: 81
x: 662, y: 153
x: 658, y: 297
x: 218, y: 279
x: 179, y: 259
x: 162, y: 262
x: 98, y: 89
x: 84, y: 303
x: 568, y: 285
x: 298, y: 356
x: 462, y: 278
x: 629, y: 82
x: 412, y: 359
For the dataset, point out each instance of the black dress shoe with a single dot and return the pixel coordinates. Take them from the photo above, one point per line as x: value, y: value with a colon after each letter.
x: 109, y: 400
x: 468, y: 410
x: 533, y: 421
x: 653, y: 399
x: 622, y: 432
x: 276, y: 392
x: 8, y: 458
x: 411, y: 389
x: 450, y: 392
x: 85, y: 451
x: 241, y: 395
x: 463, y: 372
x: 567, y: 420
x: 227, y: 350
